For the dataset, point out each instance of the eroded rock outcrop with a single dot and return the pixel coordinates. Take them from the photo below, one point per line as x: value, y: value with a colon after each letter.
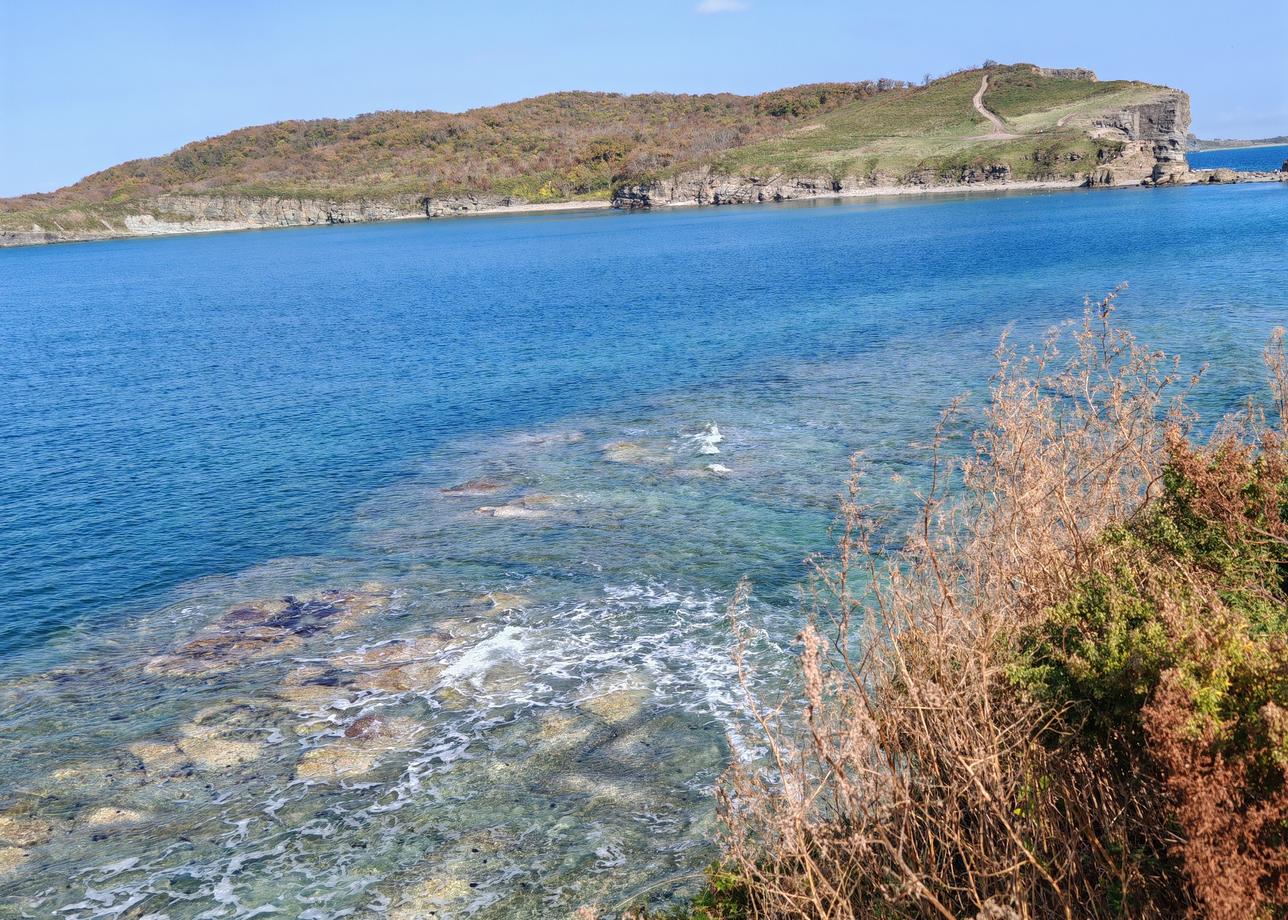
x: 1154, y: 135
x: 169, y: 214
x: 273, y: 211
x: 705, y: 186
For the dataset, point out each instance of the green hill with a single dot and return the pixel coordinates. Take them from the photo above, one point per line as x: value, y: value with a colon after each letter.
x: 578, y: 146
x: 937, y: 128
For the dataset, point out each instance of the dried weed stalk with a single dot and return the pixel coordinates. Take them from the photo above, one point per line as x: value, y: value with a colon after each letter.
x: 918, y: 777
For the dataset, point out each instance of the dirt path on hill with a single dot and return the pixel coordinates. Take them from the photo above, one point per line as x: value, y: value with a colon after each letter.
x: 999, y: 132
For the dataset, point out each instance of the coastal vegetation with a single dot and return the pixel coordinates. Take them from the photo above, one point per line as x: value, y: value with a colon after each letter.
x: 1029, y: 124
x: 936, y: 130
x: 556, y: 147
x: 1065, y: 692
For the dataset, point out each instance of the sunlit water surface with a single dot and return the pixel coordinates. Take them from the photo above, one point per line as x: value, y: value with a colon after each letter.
x: 1250, y: 159
x: 258, y: 656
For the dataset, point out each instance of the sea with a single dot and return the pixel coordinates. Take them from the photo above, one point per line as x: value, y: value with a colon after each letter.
x: 1268, y: 158
x: 385, y: 570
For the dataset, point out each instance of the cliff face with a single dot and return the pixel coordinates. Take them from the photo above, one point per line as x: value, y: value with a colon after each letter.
x: 705, y: 186
x: 204, y: 213
x: 1155, y: 135
x: 279, y: 212
x: 294, y: 212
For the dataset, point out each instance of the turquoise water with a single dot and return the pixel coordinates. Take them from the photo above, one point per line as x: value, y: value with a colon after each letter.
x: 262, y: 650
x: 1248, y: 159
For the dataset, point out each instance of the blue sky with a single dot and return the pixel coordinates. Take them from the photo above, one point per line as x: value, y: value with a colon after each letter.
x: 84, y: 85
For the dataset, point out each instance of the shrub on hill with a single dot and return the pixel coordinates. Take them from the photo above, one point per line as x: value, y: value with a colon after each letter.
x: 562, y: 145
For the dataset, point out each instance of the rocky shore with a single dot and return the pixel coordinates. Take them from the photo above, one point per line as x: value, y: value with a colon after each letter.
x: 214, y: 213
x: 223, y: 213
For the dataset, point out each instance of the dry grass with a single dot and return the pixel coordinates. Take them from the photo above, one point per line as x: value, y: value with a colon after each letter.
x: 1058, y: 698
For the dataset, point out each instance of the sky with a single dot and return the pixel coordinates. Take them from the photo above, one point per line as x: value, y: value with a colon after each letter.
x: 85, y: 85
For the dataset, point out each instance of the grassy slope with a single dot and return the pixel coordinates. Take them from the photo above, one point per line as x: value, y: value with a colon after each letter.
x: 935, y: 128
x: 573, y: 146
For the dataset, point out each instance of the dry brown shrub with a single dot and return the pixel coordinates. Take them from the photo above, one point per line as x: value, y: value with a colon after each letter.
x: 914, y: 777
x: 1233, y: 848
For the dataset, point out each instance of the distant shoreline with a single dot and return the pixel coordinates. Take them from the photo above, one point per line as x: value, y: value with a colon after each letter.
x: 876, y: 191
x: 1238, y: 147
x: 553, y: 207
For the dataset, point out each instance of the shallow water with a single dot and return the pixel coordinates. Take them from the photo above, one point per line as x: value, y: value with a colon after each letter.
x: 256, y: 658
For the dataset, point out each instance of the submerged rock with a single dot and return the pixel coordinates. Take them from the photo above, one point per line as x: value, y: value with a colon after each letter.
x: 528, y: 506
x: 215, y: 751
x: 336, y: 762
x: 415, y: 677
x: 216, y: 739
x: 475, y: 487
x: 110, y: 815
x: 21, y: 830
x: 426, y: 899
x: 500, y: 601
x: 307, y: 674
x: 160, y: 759
x: 400, y: 651
x: 267, y: 628
x: 617, y: 705
x: 513, y: 511
x: 629, y: 452
x: 10, y: 859
x: 397, y: 667
x: 314, y: 695
x: 366, y: 742
x: 544, y: 438
x: 117, y: 770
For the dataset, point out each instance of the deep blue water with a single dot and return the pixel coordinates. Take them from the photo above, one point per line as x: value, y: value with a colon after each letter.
x: 194, y: 430
x: 1247, y: 159
x: 179, y: 407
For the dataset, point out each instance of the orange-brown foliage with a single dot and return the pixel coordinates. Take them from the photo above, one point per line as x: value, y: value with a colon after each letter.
x: 969, y: 739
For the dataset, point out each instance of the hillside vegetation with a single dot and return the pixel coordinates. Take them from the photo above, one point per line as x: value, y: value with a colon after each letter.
x: 578, y: 146
x: 557, y: 147
x: 935, y: 129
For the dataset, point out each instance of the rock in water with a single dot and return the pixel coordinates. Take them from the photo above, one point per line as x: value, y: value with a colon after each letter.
x: 367, y: 741
x: 475, y: 487
x: 267, y: 628
x: 10, y: 859
x: 24, y: 830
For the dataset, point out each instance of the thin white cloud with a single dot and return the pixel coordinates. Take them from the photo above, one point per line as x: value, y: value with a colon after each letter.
x: 707, y: 7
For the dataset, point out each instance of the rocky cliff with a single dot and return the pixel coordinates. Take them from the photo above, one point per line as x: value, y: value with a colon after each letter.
x: 1154, y: 136
x: 273, y: 211
x: 707, y: 186
x: 169, y: 214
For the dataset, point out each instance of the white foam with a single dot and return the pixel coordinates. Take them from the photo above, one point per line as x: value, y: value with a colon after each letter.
x: 708, y: 440
x: 510, y: 642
